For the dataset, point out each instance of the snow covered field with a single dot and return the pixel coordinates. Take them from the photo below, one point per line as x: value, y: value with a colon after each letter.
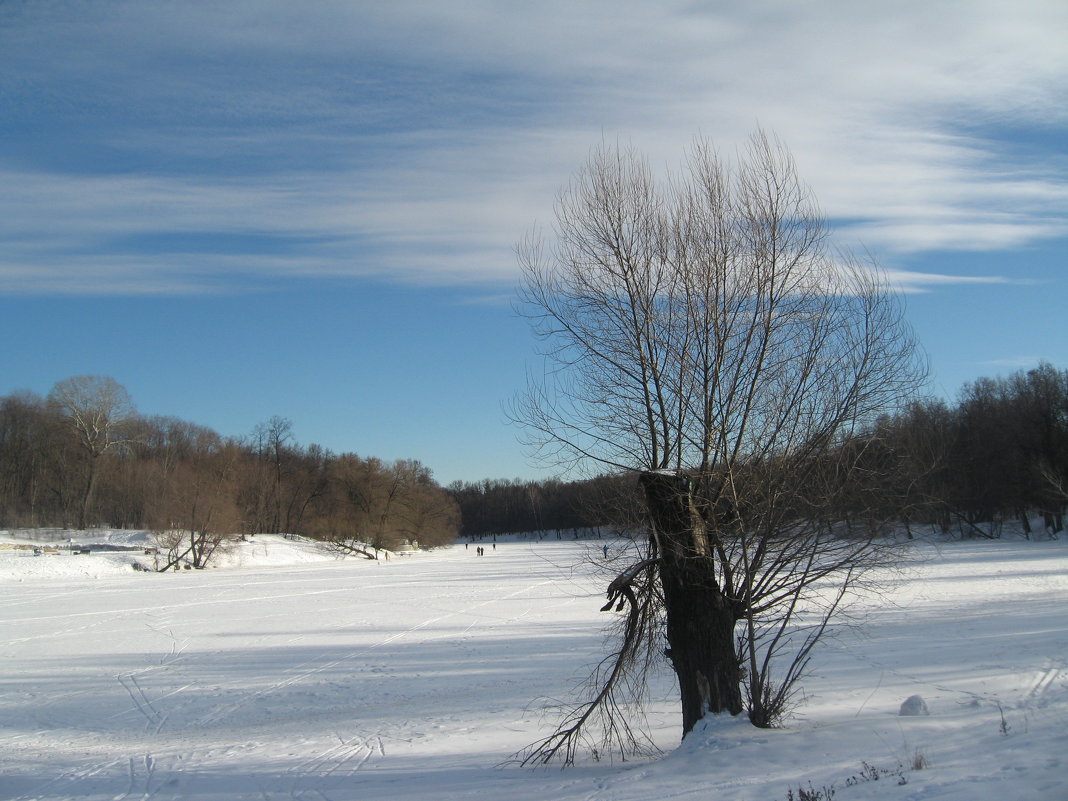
x: 288, y: 674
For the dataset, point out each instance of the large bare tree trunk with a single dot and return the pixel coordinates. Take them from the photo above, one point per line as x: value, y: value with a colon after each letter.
x: 700, y: 618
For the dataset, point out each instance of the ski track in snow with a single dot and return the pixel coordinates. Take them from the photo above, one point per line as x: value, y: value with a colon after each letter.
x: 327, y: 769
x: 356, y: 682
x: 308, y: 670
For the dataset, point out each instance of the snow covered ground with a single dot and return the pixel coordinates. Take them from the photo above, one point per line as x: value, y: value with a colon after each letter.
x: 289, y: 674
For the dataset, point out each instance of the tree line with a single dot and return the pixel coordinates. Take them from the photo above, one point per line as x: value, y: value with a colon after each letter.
x: 997, y: 455
x: 502, y: 506
x: 83, y: 457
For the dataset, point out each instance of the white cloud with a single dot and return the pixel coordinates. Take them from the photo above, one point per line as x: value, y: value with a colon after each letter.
x: 909, y: 281
x: 420, y: 139
x: 1017, y: 362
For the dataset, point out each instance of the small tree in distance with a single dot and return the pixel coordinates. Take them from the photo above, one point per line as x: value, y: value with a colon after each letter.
x: 195, y: 513
x: 701, y: 334
x: 99, y: 411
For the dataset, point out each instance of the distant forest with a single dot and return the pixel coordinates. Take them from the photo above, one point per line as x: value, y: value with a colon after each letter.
x: 82, y: 457
x: 1000, y: 454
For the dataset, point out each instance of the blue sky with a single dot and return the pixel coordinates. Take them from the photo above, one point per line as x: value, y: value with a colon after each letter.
x: 248, y: 209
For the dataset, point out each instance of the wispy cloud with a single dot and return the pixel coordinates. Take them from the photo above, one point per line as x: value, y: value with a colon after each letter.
x: 1017, y: 362
x: 912, y: 282
x: 420, y: 139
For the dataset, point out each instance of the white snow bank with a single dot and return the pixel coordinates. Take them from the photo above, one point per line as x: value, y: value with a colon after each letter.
x: 54, y: 554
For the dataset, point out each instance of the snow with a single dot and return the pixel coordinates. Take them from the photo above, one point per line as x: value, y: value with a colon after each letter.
x: 290, y: 674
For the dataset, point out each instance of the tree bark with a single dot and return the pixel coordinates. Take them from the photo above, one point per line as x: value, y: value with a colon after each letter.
x: 700, y: 618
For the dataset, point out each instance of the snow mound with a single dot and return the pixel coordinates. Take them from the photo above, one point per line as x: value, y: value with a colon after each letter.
x: 55, y: 554
x: 913, y: 706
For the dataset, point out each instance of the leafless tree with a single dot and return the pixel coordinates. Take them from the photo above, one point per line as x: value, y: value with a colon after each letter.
x: 375, y: 505
x: 700, y: 332
x: 99, y: 411
x: 195, y: 513
x: 272, y: 443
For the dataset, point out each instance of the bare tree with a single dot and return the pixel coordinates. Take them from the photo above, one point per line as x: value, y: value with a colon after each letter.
x: 99, y: 411
x: 196, y: 513
x: 701, y: 332
x: 272, y: 443
x: 384, y: 506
